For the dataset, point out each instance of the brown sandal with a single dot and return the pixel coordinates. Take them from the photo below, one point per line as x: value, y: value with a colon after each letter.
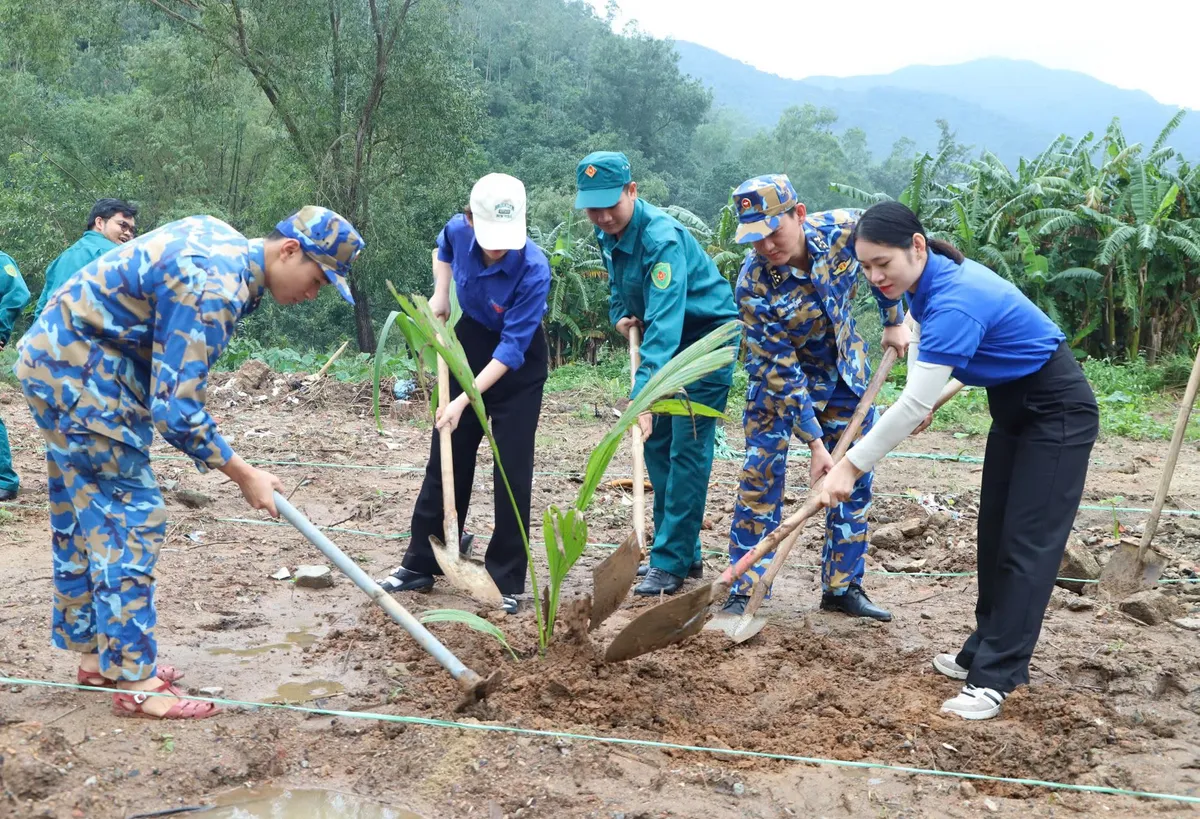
x: 167, y: 673
x: 130, y: 704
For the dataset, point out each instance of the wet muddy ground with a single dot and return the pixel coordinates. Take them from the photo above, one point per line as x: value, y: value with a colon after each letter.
x: 1113, y: 702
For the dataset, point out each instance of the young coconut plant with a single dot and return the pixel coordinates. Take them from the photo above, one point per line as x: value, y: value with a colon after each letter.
x: 565, y: 533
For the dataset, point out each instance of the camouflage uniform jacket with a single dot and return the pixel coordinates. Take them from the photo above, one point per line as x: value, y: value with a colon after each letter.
x: 124, y: 347
x: 800, y: 331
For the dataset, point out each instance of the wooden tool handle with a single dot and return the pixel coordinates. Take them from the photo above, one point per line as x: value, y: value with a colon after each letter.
x: 1164, y: 483
x: 449, y: 509
x: 639, y: 464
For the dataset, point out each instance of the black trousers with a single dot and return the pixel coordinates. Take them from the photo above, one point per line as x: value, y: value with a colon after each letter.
x: 514, y: 404
x: 1043, y: 429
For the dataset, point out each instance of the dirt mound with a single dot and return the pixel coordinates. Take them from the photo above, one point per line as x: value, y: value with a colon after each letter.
x: 831, y: 689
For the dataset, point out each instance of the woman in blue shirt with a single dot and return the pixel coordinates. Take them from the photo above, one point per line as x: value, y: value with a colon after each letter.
x: 979, y: 328
x: 502, y: 280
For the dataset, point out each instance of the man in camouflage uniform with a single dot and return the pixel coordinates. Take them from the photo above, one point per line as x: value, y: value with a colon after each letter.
x: 808, y: 367
x: 122, y: 349
x: 14, y: 295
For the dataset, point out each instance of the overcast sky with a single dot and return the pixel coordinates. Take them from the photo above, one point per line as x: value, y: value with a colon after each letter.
x: 1147, y: 46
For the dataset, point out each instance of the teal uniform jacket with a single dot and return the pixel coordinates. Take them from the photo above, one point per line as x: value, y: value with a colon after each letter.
x: 659, y: 273
x: 14, y: 295
x: 91, y: 246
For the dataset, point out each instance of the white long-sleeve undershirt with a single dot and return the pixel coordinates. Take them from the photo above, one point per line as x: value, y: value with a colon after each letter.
x: 921, y: 391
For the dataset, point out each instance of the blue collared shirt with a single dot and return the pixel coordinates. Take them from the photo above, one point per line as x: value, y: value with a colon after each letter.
x: 508, y: 297
x: 979, y: 324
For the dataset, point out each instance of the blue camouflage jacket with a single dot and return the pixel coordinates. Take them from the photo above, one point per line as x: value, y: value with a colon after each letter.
x: 125, y: 346
x: 800, y: 331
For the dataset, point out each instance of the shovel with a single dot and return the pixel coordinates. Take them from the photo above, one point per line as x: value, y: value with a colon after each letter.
x: 1134, y: 567
x: 473, y: 686
x: 740, y: 629
x: 463, y: 573
x: 683, y: 617
x: 613, y: 576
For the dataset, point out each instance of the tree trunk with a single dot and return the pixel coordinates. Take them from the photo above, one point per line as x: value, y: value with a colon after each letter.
x: 1156, y: 335
x: 364, y: 330
x: 1110, y: 314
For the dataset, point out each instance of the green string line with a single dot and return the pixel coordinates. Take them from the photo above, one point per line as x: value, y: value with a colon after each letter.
x: 644, y: 743
x: 710, y: 552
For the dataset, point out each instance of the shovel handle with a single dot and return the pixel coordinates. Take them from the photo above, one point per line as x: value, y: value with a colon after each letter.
x: 639, y: 463
x: 1164, y: 483
x: 466, y: 678
x: 449, y: 508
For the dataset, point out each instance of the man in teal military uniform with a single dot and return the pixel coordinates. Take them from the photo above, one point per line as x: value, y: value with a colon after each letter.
x: 808, y: 367
x: 111, y: 223
x: 14, y: 295
x: 661, y: 280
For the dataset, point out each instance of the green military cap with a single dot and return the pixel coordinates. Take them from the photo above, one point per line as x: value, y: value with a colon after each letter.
x: 600, y: 177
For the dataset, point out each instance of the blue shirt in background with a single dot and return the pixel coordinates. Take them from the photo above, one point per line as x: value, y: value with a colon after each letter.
x: 508, y: 297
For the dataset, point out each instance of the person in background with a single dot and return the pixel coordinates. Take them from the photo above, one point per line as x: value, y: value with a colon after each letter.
x: 112, y: 222
x: 14, y: 295
x: 979, y: 328
x: 502, y: 280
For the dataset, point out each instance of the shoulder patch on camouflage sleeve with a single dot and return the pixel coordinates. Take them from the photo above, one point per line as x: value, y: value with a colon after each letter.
x: 11, y: 269
x: 660, y: 274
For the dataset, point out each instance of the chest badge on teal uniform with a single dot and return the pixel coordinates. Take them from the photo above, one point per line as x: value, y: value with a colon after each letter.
x: 660, y: 274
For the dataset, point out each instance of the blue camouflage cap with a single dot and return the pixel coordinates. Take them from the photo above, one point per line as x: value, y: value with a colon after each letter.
x: 328, y: 239
x: 600, y: 177
x: 760, y: 202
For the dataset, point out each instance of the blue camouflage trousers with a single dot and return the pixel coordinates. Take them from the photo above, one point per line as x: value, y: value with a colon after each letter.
x: 107, y: 523
x: 757, y: 511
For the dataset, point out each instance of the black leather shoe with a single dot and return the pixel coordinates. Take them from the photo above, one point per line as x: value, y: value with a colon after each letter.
x: 736, y: 604
x: 7, y: 495
x: 696, y: 571
x: 659, y: 581
x: 406, y: 580
x: 855, y: 603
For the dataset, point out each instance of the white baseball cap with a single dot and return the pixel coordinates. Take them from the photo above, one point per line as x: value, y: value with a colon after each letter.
x: 498, y: 212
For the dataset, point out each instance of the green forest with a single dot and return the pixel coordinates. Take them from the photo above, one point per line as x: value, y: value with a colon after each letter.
x: 388, y: 110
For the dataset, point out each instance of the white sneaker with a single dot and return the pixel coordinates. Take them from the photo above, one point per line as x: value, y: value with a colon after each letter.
x: 975, y: 703
x: 945, y: 664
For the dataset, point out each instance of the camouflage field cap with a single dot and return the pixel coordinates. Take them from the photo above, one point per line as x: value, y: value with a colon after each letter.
x: 760, y: 202
x: 329, y: 239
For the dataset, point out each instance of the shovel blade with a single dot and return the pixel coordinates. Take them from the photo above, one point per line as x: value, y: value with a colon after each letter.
x: 612, y: 578
x: 466, y: 574
x: 739, y: 629
x: 665, y: 624
x: 1125, y: 574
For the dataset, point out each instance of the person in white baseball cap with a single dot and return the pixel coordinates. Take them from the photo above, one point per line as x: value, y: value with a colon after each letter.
x: 502, y: 280
x: 498, y: 212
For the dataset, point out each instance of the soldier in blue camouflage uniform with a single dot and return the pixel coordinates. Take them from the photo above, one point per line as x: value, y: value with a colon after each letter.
x: 14, y: 295
x: 123, y: 349
x: 808, y: 367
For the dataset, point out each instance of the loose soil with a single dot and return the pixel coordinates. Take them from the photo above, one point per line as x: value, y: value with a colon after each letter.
x: 1112, y: 702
